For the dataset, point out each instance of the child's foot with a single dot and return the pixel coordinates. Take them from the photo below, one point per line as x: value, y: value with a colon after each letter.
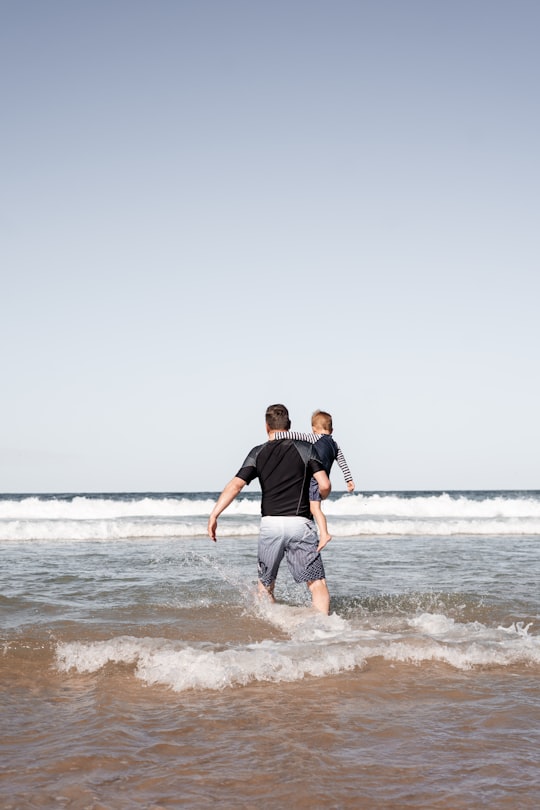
x: 323, y: 541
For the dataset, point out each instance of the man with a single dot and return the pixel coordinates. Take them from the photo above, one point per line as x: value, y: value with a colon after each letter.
x: 284, y: 468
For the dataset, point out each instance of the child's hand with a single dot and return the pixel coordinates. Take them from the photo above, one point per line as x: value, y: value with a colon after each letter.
x: 350, y: 486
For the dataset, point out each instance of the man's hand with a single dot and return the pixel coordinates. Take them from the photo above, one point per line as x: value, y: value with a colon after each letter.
x: 350, y: 486
x: 324, y: 483
x: 212, y: 526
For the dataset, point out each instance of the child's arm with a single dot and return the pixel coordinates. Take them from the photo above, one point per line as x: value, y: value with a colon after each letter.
x: 294, y: 434
x: 344, y: 467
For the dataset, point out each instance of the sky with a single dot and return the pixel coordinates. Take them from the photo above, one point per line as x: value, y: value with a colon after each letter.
x: 209, y: 206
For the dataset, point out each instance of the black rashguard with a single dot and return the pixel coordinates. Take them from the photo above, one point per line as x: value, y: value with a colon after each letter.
x: 284, y: 468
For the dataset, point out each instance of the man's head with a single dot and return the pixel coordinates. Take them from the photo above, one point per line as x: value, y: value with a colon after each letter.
x: 321, y: 421
x: 277, y: 417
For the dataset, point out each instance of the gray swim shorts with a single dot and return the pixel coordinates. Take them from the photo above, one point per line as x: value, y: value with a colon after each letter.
x: 297, y: 540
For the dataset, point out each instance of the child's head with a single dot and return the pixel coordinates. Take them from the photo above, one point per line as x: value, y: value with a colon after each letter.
x: 320, y: 421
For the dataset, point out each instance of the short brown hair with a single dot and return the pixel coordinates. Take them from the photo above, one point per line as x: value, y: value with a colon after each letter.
x: 277, y: 417
x: 322, y: 419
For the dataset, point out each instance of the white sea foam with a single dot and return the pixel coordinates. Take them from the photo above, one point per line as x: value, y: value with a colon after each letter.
x: 108, y: 529
x: 441, y: 505
x: 181, y: 667
x: 123, y: 517
x: 84, y: 508
x: 433, y: 527
x: 317, y: 646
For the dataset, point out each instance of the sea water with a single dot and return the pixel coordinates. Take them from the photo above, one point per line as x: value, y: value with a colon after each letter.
x: 139, y: 668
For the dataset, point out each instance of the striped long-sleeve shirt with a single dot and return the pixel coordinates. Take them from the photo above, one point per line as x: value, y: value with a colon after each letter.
x: 314, y: 438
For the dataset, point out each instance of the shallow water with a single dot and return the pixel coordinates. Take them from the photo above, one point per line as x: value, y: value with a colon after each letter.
x: 144, y: 673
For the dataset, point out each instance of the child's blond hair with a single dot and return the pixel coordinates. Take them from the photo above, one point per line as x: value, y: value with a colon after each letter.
x: 321, y: 420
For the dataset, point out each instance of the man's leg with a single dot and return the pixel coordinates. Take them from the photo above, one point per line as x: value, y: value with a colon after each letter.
x: 266, y: 591
x: 320, y: 597
x: 305, y: 563
x: 271, y: 549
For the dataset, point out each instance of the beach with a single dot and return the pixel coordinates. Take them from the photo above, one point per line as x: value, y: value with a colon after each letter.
x: 140, y: 670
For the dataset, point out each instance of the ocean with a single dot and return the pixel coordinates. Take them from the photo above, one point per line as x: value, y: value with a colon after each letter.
x: 140, y: 670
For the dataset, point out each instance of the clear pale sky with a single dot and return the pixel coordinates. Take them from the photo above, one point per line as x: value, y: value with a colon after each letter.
x: 212, y: 205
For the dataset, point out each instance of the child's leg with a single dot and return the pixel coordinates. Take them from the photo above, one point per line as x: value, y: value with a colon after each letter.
x: 320, y: 520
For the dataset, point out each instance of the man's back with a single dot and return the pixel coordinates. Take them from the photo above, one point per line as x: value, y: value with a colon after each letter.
x: 284, y: 468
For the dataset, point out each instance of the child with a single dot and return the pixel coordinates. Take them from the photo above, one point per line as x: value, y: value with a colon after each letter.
x: 328, y: 451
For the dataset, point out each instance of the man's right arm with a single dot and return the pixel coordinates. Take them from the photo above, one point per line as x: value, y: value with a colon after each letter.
x: 294, y: 434
x: 230, y: 491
